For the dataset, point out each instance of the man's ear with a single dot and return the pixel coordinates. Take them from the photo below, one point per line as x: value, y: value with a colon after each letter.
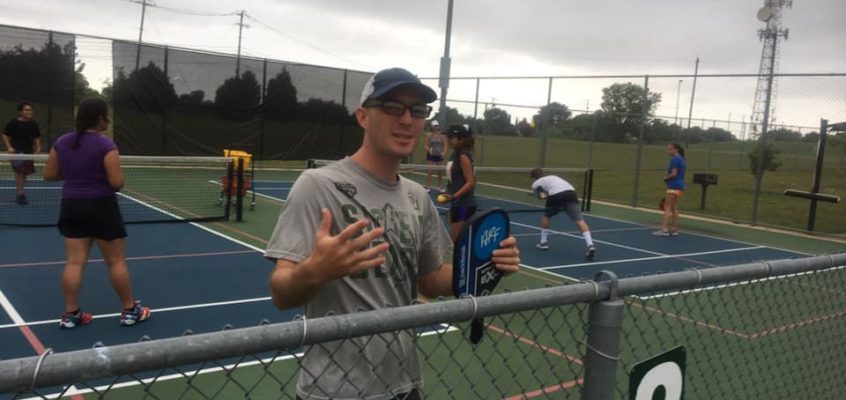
x: 361, y: 116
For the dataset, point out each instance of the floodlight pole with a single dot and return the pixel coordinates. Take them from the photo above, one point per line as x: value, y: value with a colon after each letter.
x: 443, y: 82
x: 692, y: 94
x: 546, y: 124
x: 643, y: 105
x: 678, y: 94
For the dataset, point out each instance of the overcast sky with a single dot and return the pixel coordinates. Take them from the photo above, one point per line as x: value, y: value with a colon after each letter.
x: 496, y: 38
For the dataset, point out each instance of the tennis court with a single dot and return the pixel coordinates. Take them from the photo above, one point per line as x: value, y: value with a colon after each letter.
x: 196, y: 278
x: 625, y: 248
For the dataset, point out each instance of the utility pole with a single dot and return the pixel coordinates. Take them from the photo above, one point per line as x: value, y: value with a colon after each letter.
x: 241, y: 26
x: 141, y: 31
x: 692, y: 94
x: 678, y: 93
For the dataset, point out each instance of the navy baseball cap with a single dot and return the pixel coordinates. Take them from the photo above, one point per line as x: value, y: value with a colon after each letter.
x: 386, y: 80
x: 461, y: 131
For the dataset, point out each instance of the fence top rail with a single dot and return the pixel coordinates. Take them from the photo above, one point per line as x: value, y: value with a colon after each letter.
x: 64, y: 368
x: 632, y: 76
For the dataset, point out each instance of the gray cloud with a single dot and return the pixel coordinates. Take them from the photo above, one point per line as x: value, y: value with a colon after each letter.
x: 490, y: 37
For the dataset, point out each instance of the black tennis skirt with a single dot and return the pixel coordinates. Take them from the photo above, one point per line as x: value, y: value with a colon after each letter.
x: 98, y: 218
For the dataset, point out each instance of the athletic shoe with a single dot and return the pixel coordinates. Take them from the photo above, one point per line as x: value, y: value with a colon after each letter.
x: 542, y: 246
x: 674, y: 233
x: 137, y: 314
x: 21, y: 199
x: 591, y: 252
x: 72, y: 320
x: 661, y: 233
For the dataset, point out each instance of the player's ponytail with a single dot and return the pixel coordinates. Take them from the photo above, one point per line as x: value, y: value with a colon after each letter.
x: 678, y: 148
x: 91, y: 109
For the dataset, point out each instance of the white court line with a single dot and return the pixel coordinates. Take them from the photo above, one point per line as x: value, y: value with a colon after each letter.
x: 20, y: 322
x: 706, y: 236
x: 16, y: 317
x: 272, y: 198
x: 596, y: 241
x: 648, y: 226
x: 665, y: 256
x: 10, y: 309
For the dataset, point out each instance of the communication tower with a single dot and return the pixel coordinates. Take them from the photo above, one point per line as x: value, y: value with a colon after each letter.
x: 763, y: 109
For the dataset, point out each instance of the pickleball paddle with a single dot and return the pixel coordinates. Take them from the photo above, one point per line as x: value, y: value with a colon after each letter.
x: 473, y: 272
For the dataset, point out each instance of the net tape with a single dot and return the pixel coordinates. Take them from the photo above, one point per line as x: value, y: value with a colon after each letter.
x: 157, y: 189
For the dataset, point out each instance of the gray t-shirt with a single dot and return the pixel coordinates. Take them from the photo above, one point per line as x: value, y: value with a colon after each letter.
x: 372, y: 367
x: 436, y: 144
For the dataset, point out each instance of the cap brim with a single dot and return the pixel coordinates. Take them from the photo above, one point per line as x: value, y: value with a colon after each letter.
x: 425, y: 92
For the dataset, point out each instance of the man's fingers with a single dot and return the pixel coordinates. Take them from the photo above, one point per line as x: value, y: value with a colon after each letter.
x: 352, y: 230
x: 367, y: 264
x: 372, y: 251
x: 366, y: 238
x: 325, y: 222
x: 510, y: 241
x: 508, y: 267
x: 507, y: 256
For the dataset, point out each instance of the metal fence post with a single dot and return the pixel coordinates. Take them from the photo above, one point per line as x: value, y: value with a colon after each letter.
x: 605, y: 321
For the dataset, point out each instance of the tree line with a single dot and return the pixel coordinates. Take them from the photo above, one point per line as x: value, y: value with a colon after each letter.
x: 238, y: 98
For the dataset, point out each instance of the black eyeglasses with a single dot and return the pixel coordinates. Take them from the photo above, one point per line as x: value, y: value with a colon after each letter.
x: 394, y: 107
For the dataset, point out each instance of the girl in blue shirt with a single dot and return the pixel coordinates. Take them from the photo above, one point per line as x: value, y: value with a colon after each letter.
x: 675, y: 189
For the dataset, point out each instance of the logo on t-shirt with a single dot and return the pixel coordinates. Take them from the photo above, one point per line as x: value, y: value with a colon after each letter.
x: 346, y: 188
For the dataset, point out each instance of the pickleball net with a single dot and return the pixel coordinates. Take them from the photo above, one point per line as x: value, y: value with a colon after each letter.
x: 157, y: 189
x: 508, y: 188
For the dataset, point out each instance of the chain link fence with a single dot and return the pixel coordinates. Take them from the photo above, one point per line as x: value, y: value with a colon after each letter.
x: 761, y: 330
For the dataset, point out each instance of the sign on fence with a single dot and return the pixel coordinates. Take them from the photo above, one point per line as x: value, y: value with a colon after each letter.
x: 660, y: 377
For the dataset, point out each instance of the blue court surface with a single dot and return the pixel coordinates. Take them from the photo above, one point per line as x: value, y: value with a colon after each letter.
x: 199, y: 280
x: 625, y: 248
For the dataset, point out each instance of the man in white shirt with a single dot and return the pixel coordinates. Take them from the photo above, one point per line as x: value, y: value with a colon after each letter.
x: 559, y: 195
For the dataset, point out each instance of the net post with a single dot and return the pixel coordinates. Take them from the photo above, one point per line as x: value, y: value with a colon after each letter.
x: 227, y: 189
x: 252, y: 185
x: 239, y: 195
x: 589, y: 197
x: 584, y: 191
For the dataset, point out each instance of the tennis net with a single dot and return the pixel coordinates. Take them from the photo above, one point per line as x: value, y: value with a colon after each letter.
x: 508, y: 188
x: 157, y: 189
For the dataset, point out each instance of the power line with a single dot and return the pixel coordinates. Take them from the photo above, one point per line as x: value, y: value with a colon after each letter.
x: 196, y: 13
x: 307, y: 44
x: 184, y: 11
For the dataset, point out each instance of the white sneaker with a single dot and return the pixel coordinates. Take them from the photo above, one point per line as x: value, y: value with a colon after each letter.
x: 542, y: 246
x: 661, y: 233
x: 591, y: 252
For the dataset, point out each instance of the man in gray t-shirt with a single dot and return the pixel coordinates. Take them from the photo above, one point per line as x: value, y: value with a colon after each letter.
x: 356, y: 236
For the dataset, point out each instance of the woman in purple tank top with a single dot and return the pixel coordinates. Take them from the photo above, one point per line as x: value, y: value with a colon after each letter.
x: 89, y: 165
